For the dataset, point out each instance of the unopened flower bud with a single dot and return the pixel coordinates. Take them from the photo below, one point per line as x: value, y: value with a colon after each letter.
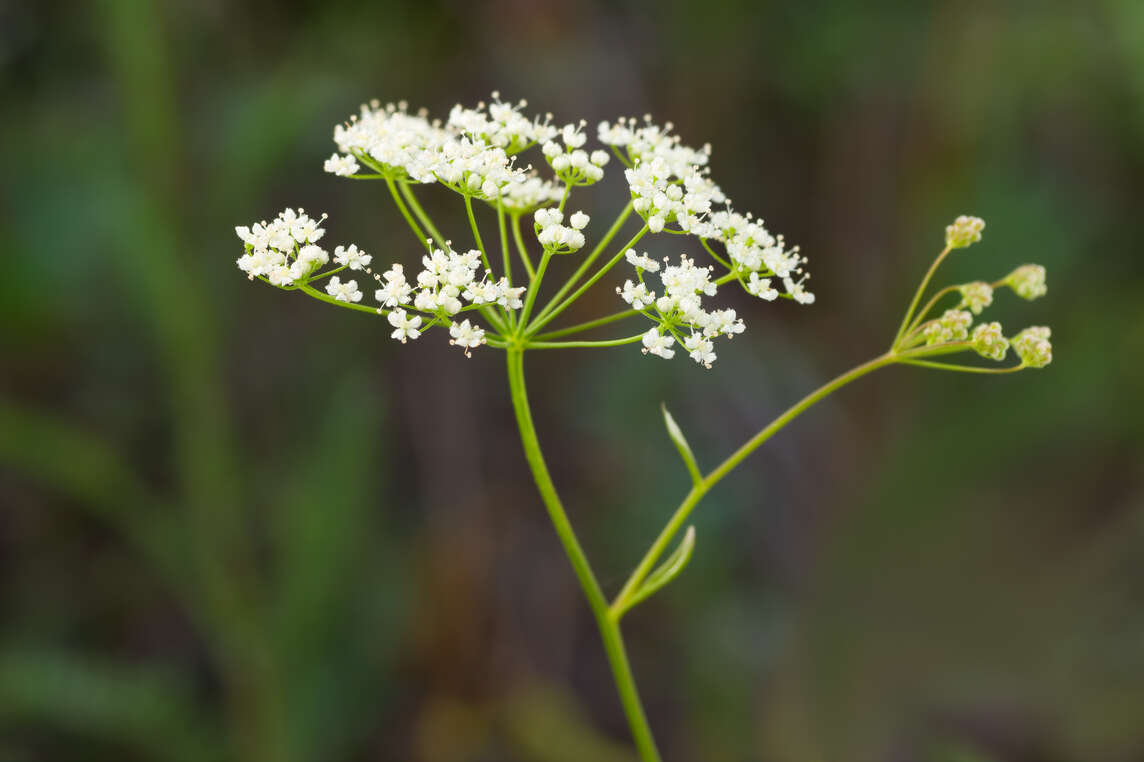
x: 1032, y: 345
x: 989, y: 341
x: 977, y: 296
x: 1027, y: 281
x: 964, y: 231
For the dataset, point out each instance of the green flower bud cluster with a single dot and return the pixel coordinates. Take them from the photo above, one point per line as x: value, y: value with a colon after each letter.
x: 965, y: 231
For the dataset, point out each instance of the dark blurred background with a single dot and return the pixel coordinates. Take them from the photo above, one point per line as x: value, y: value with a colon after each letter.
x: 240, y: 525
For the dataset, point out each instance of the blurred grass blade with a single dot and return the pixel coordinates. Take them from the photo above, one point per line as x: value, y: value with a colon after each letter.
x: 84, y: 467
x: 676, y: 435
x: 123, y: 706
x: 667, y: 571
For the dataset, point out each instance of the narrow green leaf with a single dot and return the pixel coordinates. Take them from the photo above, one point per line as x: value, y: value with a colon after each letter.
x: 667, y: 571
x: 676, y: 435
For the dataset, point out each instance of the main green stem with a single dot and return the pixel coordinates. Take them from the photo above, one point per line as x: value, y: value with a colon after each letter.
x: 607, y: 623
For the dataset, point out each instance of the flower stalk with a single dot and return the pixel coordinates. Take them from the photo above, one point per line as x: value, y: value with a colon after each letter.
x: 473, y: 155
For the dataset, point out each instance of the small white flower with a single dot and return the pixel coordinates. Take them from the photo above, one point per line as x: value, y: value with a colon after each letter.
x: 341, y: 165
x: 405, y: 327
x: 657, y: 344
x: 351, y: 257
x: 797, y: 292
x: 636, y: 294
x: 466, y: 335
x: 343, y: 292
x: 641, y: 261
x: 761, y: 287
x: 700, y: 349
x: 310, y: 258
x: 578, y: 220
x: 655, y: 223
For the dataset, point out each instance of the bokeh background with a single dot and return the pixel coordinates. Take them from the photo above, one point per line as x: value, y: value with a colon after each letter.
x: 239, y: 525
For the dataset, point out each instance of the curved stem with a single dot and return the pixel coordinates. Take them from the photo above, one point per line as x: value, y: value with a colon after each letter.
x: 699, y: 490
x: 583, y: 344
x: 534, y: 289
x: 477, y: 233
x: 963, y: 368
x: 417, y: 231
x: 407, y: 193
x: 589, y: 325
x: 918, y: 294
x: 521, y: 249
x: 309, y: 290
x: 607, y: 624
x: 925, y: 310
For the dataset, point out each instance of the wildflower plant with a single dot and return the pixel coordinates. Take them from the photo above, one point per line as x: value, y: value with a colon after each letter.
x: 478, y: 154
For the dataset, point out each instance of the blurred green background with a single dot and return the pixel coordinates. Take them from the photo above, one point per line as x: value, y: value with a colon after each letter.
x: 240, y: 525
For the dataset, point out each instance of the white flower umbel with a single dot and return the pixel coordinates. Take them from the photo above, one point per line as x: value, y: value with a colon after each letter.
x: 282, y: 251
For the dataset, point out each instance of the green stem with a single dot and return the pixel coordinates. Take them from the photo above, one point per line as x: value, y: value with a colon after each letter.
x: 338, y: 303
x: 582, y: 344
x: 521, y: 249
x: 548, y: 313
x: 608, y: 625
x: 679, y: 518
x: 918, y: 294
x: 925, y: 310
x: 511, y: 316
x: 589, y: 325
x: 596, y: 251
x: 477, y: 233
x: 407, y: 194
x: 534, y: 288
x: 417, y: 231
x: 962, y: 368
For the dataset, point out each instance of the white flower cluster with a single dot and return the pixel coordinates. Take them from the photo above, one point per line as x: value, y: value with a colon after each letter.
x: 670, y: 184
x: 402, y: 146
x: 754, y: 251
x: 447, y: 280
x: 470, y: 154
x: 557, y: 237
x: 669, y: 181
x: 571, y: 163
x: 531, y: 193
x: 285, y: 250
x: 679, y: 308
x: 502, y: 125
